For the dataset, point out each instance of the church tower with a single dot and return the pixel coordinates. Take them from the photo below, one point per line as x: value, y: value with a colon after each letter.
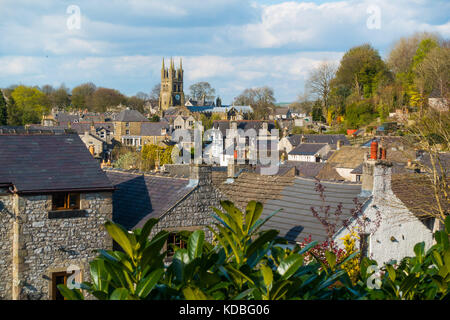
x: 171, y: 94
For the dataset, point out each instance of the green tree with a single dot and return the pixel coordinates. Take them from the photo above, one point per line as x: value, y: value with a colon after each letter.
x: 317, y: 113
x: 103, y: 98
x: 31, y: 104
x: 60, y: 97
x: 360, y: 71
x: 359, y: 113
x: 3, y: 110
x: 82, y: 95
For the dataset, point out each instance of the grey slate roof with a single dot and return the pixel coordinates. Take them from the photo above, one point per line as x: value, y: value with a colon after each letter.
x: 49, y: 162
x: 331, y: 139
x: 306, y: 169
x: 358, y: 169
x: 307, y: 149
x: 153, y: 128
x: 296, y: 220
x: 223, y: 125
x: 129, y: 115
x: 140, y: 197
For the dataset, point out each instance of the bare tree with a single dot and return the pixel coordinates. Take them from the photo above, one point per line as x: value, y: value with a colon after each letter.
x: 401, y: 56
x: 319, y: 81
x: 431, y: 134
x: 434, y: 70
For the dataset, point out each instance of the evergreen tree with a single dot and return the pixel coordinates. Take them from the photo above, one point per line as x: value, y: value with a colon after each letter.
x: 3, y: 110
x: 14, y: 114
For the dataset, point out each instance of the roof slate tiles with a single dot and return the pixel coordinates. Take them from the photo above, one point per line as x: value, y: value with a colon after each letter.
x: 44, y: 162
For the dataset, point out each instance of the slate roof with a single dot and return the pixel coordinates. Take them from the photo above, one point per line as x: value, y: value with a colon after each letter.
x: 140, y: 197
x: 36, y: 129
x: 358, y: 169
x: 307, y: 149
x: 331, y: 139
x: 222, y: 109
x: 251, y: 186
x: 416, y: 193
x: 79, y: 127
x: 49, y: 162
x: 66, y: 117
x: 348, y: 157
x: 296, y: 220
x: 329, y: 173
x: 306, y: 169
x: 153, y: 128
x: 129, y: 115
x: 223, y: 125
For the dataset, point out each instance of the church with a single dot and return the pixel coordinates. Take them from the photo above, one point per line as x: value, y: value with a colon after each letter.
x: 171, y: 94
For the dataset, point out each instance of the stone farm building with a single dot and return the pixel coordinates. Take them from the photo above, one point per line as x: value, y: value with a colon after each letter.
x: 54, y: 201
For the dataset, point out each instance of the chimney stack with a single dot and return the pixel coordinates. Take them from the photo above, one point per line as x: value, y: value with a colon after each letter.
x: 231, y: 169
x: 339, y: 144
x: 303, y: 139
x: 200, y: 174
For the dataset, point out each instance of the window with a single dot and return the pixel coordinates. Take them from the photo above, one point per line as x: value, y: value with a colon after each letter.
x: 174, y: 239
x: 127, y: 124
x: 59, y: 278
x: 358, y: 177
x: 127, y: 132
x: 65, y: 201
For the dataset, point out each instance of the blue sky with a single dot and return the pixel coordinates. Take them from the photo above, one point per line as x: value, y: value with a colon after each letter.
x: 232, y: 44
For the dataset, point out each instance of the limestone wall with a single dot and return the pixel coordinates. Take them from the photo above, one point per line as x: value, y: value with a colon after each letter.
x: 6, y: 237
x: 47, y: 245
x: 194, y: 211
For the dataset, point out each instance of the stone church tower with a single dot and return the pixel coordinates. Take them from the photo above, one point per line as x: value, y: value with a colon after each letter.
x: 171, y: 94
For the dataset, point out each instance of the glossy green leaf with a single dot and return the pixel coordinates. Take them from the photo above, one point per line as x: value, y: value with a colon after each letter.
x: 146, y: 285
x: 195, y: 244
x: 120, y: 294
x: 290, y: 265
x: 146, y: 229
x: 252, y: 213
x: 70, y: 294
x: 191, y: 293
x: 120, y: 235
x: 267, y: 276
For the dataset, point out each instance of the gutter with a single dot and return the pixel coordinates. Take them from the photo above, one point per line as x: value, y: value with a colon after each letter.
x: 45, y: 191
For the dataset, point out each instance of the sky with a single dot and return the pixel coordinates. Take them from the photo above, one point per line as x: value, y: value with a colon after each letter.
x: 232, y: 44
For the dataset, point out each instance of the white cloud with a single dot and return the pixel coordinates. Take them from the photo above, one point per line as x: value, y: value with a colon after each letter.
x: 233, y: 44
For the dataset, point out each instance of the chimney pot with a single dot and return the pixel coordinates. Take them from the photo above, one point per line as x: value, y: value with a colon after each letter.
x: 383, y: 153
x: 374, y: 150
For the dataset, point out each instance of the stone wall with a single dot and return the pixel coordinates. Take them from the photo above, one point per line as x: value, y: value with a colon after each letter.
x: 48, y: 245
x: 194, y: 210
x: 6, y: 238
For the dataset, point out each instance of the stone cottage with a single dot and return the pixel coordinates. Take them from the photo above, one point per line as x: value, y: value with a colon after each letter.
x: 54, y: 201
x: 396, y: 208
x: 181, y: 203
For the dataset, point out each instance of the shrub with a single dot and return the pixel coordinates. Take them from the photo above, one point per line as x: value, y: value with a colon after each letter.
x: 245, y: 262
